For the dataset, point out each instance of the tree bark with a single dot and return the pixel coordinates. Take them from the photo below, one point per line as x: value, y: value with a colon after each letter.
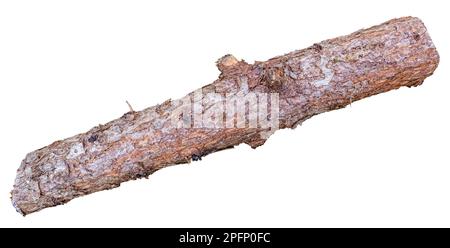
x: 326, y: 76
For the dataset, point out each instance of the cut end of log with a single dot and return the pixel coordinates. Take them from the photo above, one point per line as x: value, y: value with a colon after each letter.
x: 326, y: 76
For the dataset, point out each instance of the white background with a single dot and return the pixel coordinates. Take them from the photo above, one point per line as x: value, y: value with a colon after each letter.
x: 66, y: 66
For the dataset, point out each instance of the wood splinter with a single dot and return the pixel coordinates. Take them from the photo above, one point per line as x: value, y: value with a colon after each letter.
x: 326, y: 76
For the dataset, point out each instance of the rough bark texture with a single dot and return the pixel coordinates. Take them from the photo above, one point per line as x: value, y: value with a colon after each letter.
x: 326, y: 76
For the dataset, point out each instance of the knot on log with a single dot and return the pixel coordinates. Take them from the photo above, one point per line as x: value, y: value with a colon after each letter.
x: 226, y: 61
x: 272, y: 77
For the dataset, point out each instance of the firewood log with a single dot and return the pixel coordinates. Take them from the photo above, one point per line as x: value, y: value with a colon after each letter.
x: 246, y: 104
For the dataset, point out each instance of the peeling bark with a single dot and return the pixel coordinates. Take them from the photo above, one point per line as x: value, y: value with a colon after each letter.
x: 326, y: 76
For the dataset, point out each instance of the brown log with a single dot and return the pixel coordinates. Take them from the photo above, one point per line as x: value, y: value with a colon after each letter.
x: 326, y: 76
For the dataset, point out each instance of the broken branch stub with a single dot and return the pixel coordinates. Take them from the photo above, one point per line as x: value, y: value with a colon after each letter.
x: 246, y: 104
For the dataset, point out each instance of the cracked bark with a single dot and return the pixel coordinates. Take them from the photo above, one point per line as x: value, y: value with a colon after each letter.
x: 326, y: 76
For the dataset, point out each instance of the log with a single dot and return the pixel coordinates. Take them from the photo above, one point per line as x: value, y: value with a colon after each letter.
x: 246, y: 104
